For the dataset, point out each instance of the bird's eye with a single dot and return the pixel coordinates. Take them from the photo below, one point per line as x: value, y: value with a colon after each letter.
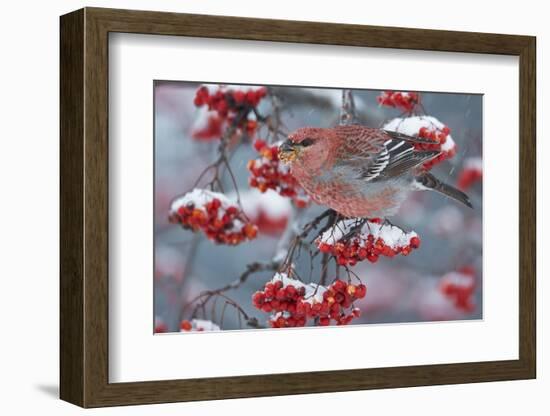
x: 306, y: 142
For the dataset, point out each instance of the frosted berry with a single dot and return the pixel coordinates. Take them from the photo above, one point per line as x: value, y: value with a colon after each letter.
x: 373, y: 240
x: 293, y: 303
x: 213, y: 214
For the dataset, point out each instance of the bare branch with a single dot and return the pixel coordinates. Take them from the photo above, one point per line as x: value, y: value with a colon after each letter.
x: 306, y: 230
x: 347, y: 112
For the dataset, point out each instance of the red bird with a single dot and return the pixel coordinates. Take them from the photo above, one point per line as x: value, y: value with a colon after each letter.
x: 360, y: 171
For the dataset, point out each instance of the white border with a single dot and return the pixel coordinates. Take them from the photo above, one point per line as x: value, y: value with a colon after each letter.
x: 136, y: 355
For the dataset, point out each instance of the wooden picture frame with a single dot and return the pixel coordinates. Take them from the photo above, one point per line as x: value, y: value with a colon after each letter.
x: 84, y: 207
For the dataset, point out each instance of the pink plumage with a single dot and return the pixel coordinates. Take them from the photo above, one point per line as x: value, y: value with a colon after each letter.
x: 360, y: 171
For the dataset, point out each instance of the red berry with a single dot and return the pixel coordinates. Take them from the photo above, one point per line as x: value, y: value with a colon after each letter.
x: 361, y: 291
x: 324, y: 248
x: 372, y: 257
x: 239, y: 96
x: 339, y: 285
x: 324, y: 321
x: 160, y: 328
x: 186, y: 325
x: 290, y: 291
x: 259, y: 144
x: 415, y: 242
x: 251, y: 98
x: 258, y: 299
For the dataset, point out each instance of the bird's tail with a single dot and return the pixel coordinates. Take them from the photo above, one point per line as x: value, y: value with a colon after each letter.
x: 429, y: 181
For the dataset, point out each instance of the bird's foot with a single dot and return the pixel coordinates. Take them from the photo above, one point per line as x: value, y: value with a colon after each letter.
x: 355, y: 229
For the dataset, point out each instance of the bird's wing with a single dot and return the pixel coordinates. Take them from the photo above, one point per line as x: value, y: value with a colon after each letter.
x: 373, y: 154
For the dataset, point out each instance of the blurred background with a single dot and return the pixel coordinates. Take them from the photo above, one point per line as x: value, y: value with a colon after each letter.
x: 400, y: 289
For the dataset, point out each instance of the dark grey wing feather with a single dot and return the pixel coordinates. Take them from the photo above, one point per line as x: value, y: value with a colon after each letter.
x: 396, y: 158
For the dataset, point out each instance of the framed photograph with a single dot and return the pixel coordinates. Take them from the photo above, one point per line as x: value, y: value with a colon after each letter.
x: 262, y: 207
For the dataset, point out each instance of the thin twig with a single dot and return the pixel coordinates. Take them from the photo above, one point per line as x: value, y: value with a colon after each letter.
x: 347, y: 111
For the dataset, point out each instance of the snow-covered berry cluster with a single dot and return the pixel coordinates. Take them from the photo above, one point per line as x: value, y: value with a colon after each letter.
x: 430, y: 128
x: 227, y: 104
x: 351, y: 242
x: 292, y: 303
x: 213, y: 213
x: 458, y: 286
x: 402, y: 100
x: 268, y: 173
x: 471, y: 173
x: 198, y: 325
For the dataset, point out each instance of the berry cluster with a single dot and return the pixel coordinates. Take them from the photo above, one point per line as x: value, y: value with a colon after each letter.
x: 471, y: 173
x: 212, y: 128
x: 226, y: 100
x: 459, y: 287
x: 292, y: 302
x: 436, y: 135
x: 442, y: 142
x: 228, y: 104
x: 405, y: 101
x: 198, y: 325
x: 269, y: 173
x: 350, y: 242
x: 214, y: 214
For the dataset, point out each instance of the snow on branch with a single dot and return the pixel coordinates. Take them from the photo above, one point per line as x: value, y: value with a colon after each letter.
x: 347, y: 111
x: 198, y: 325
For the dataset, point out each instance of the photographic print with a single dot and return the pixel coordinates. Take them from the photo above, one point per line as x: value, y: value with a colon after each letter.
x: 290, y: 207
x: 361, y: 209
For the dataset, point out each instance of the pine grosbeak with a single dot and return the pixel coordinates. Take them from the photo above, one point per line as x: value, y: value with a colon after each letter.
x: 361, y: 171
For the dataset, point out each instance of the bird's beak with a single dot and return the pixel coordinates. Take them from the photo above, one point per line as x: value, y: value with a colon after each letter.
x: 288, y: 151
x: 287, y: 146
